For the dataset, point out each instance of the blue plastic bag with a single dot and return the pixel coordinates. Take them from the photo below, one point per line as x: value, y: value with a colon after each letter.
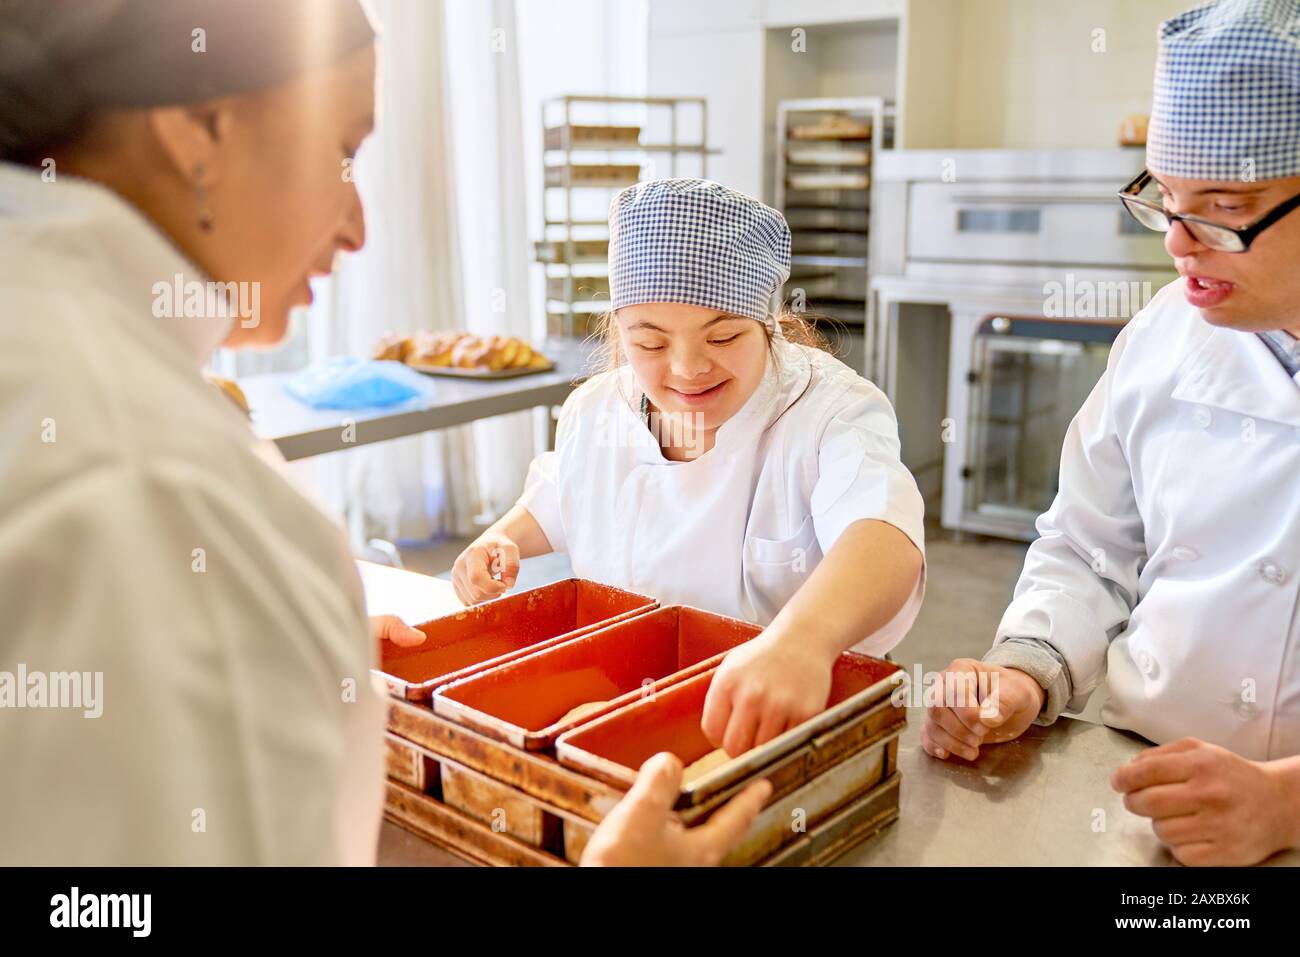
x: 350, y: 382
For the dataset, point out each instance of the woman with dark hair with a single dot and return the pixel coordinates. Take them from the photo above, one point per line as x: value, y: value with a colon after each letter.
x: 187, y: 630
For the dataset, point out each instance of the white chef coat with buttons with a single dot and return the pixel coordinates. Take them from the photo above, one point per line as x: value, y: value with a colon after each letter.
x: 148, y: 535
x: 738, y: 529
x: 1167, y: 565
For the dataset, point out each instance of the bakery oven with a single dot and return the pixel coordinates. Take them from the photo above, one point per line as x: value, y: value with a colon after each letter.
x: 1027, y: 379
x: 999, y: 280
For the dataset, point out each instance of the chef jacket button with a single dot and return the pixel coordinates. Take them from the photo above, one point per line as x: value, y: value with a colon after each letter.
x: 1272, y: 572
x: 1246, y: 710
x: 1148, y: 664
x: 1203, y: 417
x: 1185, y: 553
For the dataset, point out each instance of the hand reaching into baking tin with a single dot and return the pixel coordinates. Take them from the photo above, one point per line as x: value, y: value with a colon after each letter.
x: 391, y: 628
x: 990, y: 705
x: 762, y: 688
x: 641, y: 831
x: 1212, y: 807
x: 486, y: 569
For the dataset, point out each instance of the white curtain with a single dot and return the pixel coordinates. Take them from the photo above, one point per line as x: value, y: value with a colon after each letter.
x: 450, y: 181
x: 446, y: 248
x: 407, y: 278
x: 487, y: 141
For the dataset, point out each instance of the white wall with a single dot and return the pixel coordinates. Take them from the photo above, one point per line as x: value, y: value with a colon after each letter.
x: 715, y: 49
x: 737, y: 53
x: 571, y: 47
x: 1027, y: 76
x: 970, y: 73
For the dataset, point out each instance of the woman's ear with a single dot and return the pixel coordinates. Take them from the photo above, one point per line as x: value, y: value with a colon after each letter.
x: 189, y: 138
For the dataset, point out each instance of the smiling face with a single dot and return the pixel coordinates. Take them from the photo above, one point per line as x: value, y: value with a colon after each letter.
x: 1254, y: 291
x: 693, y: 362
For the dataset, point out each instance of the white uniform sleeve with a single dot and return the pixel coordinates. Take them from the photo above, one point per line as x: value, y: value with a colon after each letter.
x: 541, y: 495
x: 225, y: 732
x: 861, y: 476
x: 1080, y: 581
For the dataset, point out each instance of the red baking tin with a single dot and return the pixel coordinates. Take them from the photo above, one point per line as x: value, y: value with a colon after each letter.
x: 521, y: 702
x: 482, y: 636
x: 615, y: 746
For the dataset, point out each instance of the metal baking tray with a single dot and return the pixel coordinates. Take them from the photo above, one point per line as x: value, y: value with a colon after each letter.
x: 613, y: 747
x: 880, y: 725
x: 828, y: 181
x: 458, y: 373
x: 813, y: 803
x: 583, y: 250
x: 523, y: 702
x: 594, y: 174
x: 482, y: 636
x: 806, y: 154
x: 588, y: 137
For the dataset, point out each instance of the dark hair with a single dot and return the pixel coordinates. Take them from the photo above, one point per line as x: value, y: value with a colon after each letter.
x: 39, y: 108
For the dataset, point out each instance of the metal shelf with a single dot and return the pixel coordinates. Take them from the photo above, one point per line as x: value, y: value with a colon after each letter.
x: 632, y: 148
x: 567, y: 313
x: 835, y: 217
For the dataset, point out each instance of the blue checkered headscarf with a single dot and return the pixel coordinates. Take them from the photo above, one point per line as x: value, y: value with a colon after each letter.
x: 697, y: 242
x: 1227, y: 92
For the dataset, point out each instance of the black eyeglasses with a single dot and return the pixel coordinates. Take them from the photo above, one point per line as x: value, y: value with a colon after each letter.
x: 1215, y: 235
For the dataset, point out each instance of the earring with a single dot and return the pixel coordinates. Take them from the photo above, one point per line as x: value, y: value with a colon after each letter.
x: 201, y: 199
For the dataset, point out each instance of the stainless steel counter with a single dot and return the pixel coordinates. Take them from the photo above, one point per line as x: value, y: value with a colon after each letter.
x: 1044, y: 799
x: 300, y: 431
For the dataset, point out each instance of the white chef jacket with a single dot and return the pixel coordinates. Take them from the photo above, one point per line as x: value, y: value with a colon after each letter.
x: 1169, y: 563
x: 228, y: 734
x: 738, y: 529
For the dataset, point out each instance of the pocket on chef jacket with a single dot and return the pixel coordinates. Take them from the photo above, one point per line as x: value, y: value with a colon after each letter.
x: 782, y: 551
x: 775, y: 568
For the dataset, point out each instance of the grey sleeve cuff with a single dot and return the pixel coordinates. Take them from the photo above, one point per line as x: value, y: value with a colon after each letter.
x: 1041, y: 662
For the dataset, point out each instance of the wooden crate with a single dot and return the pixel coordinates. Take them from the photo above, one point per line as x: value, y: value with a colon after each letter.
x: 524, y: 796
x: 501, y: 807
x: 844, y: 782
x: 857, y: 820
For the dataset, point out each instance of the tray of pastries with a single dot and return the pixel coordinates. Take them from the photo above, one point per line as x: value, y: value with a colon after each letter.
x: 463, y: 355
